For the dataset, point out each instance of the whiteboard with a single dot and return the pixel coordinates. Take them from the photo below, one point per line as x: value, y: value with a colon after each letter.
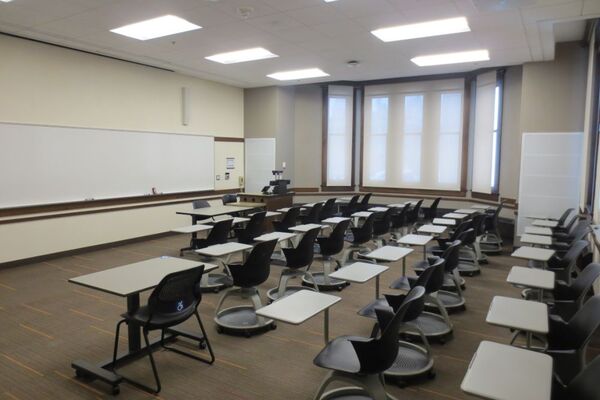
x: 46, y: 164
x: 550, y: 177
x: 260, y: 163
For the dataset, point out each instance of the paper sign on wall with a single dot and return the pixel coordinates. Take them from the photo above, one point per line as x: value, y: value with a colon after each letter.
x: 230, y: 163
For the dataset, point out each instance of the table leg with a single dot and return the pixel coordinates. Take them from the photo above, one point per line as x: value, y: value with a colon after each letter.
x: 133, y: 330
x: 528, y: 343
x: 404, y: 266
x: 326, y: 326
x: 424, y: 252
x: 376, y: 287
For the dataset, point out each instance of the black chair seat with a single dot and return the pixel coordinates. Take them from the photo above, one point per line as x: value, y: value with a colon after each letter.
x: 158, y: 321
x: 340, y: 355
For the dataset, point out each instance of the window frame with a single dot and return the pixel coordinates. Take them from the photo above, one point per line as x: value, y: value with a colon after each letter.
x: 495, y: 189
x: 325, y: 136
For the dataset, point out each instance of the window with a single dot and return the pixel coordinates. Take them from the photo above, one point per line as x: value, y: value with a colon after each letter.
x: 450, y: 138
x: 411, y: 146
x: 486, y: 134
x: 413, y: 135
x: 378, y: 142
x: 339, y: 136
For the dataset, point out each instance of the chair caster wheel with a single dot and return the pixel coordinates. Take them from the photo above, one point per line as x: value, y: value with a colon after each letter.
x: 401, y: 384
x: 273, y: 327
x: 219, y: 329
x: 216, y: 290
x: 247, y: 335
x: 202, y: 345
x: 115, y: 390
x: 442, y: 341
x: 431, y: 375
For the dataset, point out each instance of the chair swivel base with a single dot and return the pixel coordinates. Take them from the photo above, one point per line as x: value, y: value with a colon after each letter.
x: 216, y: 282
x: 412, y: 362
x: 325, y: 284
x: 349, y: 393
x: 449, y: 286
x: 242, y: 321
x: 491, y: 247
x: 273, y: 294
x: 434, y: 327
x: 468, y: 269
x: 451, y: 301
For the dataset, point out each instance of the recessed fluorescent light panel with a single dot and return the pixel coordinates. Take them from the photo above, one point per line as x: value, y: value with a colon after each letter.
x: 423, y: 29
x: 6, y: 1
x: 256, y: 53
x: 298, y: 74
x: 156, y: 27
x: 452, y: 58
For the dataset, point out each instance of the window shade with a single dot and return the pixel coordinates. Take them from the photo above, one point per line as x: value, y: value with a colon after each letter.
x: 485, y: 133
x: 413, y: 135
x: 339, y: 136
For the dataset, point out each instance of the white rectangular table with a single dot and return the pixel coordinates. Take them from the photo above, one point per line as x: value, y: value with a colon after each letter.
x: 221, y: 253
x: 457, y: 216
x: 306, y: 227
x: 378, y: 209
x: 544, y: 223
x: 540, y: 240
x: 468, y: 211
x: 522, y: 315
x: 444, y: 221
x: 533, y: 253
x: 299, y: 307
x: 538, y: 230
x: 502, y: 372
x: 334, y: 220
x: 129, y: 281
x: 280, y: 236
x: 209, y: 212
x: 361, y: 214
x: 532, y: 278
x: 481, y: 207
x: 361, y: 272
x: 193, y: 229
x: 433, y: 229
x: 269, y: 214
x: 390, y: 254
x: 416, y: 240
x: 220, y: 250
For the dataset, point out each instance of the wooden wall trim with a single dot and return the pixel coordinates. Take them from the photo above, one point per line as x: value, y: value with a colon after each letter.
x: 337, y: 188
x: 485, y: 196
x: 324, y: 132
x: 465, y: 139
x: 408, y: 191
x: 83, y: 207
x: 304, y: 189
x: 228, y: 139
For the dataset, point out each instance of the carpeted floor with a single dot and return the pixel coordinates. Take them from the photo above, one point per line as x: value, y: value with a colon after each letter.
x: 47, y: 322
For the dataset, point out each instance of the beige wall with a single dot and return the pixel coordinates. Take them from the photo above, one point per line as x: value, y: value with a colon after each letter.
x: 308, y: 136
x: 510, y: 151
x: 553, y: 94
x: 260, y: 112
x: 47, y: 85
